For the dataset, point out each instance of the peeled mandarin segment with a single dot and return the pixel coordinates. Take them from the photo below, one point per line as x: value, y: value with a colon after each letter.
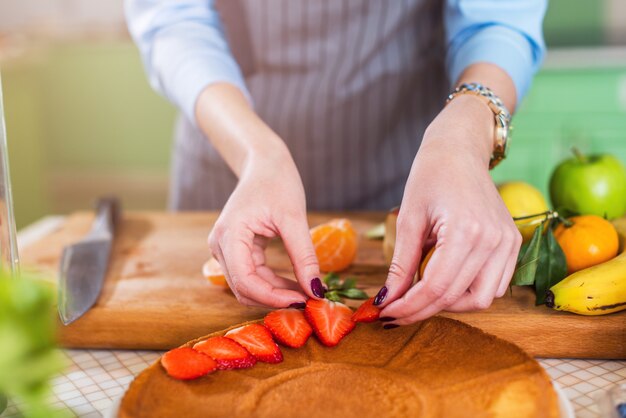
x: 589, y: 241
x: 335, y: 244
x: 212, y: 271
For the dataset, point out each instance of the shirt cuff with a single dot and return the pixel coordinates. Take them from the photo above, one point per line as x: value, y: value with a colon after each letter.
x: 191, y: 72
x: 499, y: 45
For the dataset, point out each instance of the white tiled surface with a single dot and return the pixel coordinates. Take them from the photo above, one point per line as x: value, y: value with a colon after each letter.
x: 94, y: 378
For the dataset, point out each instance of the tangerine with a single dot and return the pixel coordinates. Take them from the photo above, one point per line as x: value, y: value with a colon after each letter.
x: 590, y: 240
x: 335, y: 244
x: 212, y: 271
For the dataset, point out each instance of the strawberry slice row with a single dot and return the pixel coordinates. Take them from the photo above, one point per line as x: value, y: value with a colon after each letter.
x: 242, y: 347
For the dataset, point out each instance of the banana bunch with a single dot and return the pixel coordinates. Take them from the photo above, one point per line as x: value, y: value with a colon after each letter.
x: 597, y: 290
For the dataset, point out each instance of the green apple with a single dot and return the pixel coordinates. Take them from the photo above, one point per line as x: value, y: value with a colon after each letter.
x: 590, y: 185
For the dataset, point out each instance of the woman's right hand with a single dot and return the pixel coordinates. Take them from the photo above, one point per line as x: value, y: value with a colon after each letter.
x: 268, y: 202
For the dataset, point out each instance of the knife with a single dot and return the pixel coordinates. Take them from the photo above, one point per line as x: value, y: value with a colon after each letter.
x: 84, y: 264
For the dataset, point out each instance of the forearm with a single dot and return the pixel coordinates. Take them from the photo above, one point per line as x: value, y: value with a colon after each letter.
x: 225, y: 117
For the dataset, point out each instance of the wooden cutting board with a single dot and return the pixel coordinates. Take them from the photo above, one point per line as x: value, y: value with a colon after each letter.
x: 155, y: 296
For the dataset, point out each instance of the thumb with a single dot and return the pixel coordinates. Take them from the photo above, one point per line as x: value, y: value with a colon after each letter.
x: 297, y: 240
x: 406, y: 256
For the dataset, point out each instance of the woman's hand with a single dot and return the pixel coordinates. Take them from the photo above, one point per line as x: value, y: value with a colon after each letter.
x: 450, y: 200
x: 267, y: 202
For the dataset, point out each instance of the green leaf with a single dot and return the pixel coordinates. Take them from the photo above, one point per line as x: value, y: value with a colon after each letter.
x: 353, y: 294
x: 3, y: 403
x: 348, y: 284
x: 522, y: 251
x: 527, y: 266
x: 552, y: 267
x: 332, y: 280
x: 333, y: 295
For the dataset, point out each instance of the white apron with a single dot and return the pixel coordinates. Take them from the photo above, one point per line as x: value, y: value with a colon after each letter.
x: 349, y: 85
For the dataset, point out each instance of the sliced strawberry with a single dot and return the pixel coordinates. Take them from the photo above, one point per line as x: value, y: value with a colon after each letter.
x: 258, y: 341
x: 186, y: 363
x: 289, y: 327
x: 227, y: 353
x: 367, y: 312
x: 331, y: 321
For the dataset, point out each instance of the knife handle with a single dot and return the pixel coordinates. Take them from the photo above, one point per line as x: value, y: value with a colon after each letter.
x: 107, y: 214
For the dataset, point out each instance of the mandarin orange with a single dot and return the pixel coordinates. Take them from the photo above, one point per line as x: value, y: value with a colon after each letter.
x: 335, y: 244
x: 212, y: 271
x: 590, y: 240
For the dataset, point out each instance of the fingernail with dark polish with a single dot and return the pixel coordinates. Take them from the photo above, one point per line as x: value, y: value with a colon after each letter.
x: 298, y: 305
x: 317, y: 288
x: 386, y: 319
x: 390, y: 326
x: 380, y: 296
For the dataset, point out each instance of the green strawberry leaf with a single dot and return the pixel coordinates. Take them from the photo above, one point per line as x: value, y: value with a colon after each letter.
x: 332, y: 280
x: 527, y: 265
x: 353, y: 294
x: 333, y: 295
x: 552, y: 267
x: 348, y: 284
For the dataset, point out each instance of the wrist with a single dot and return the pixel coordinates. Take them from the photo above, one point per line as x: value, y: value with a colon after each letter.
x: 465, y: 126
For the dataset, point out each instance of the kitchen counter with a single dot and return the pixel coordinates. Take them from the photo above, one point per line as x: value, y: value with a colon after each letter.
x: 94, y: 379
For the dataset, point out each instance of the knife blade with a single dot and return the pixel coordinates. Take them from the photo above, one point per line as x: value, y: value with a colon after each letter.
x: 84, y: 264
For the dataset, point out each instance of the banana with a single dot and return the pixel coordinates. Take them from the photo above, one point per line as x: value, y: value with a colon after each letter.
x: 596, y: 290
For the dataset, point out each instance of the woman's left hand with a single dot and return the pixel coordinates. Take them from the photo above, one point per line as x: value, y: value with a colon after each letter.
x: 450, y: 199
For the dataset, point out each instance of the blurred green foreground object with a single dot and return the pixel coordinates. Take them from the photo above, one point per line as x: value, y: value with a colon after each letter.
x: 28, y: 357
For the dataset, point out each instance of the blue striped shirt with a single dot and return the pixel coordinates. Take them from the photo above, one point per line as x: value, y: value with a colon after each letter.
x: 184, y: 48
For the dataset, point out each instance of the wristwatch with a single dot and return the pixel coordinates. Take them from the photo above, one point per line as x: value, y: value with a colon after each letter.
x: 502, y: 117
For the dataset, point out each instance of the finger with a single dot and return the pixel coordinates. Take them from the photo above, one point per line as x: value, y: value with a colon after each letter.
x: 297, y: 239
x: 217, y: 254
x: 511, y: 263
x: 275, y: 280
x: 249, y: 302
x: 245, y: 282
x: 266, y: 273
x: 411, y: 231
x: 453, y: 267
x: 483, y: 289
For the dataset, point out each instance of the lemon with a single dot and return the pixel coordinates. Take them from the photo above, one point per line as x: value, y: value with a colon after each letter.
x: 522, y: 199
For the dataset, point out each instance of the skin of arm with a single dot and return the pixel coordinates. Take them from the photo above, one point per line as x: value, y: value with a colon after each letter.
x: 457, y: 208
x: 268, y: 201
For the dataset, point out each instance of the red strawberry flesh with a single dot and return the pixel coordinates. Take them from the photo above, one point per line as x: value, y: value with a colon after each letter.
x: 367, y: 312
x: 258, y: 341
x: 186, y: 363
x: 289, y: 327
x: 331, y: 321
x: 227, y: 353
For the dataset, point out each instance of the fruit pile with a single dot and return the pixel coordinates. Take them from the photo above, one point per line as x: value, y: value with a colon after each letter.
x: 573, y: 262
x: 242, y: 347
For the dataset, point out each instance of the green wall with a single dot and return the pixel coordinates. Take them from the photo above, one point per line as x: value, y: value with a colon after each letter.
x: 80, y: 106
x: 566, y: 108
